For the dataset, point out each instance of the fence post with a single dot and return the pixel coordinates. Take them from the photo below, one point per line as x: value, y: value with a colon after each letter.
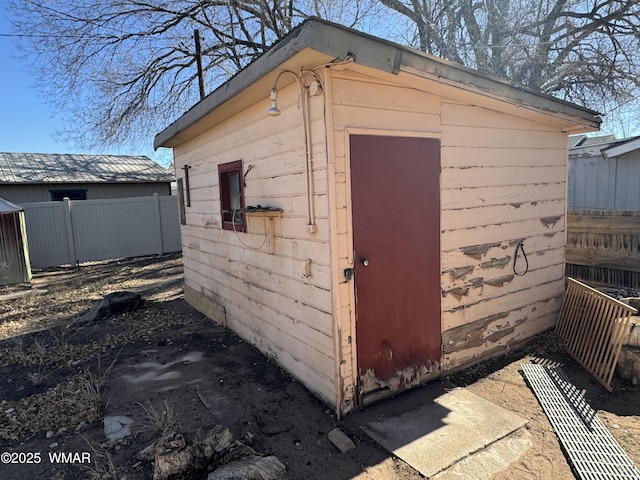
x: 156, y: 205
x: 69, y: 224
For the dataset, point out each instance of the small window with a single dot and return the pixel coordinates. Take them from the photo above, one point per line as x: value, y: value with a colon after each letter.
x: 231, y: 195
x: 59, y: 195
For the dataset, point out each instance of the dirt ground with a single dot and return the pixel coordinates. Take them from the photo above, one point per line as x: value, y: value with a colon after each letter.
x: 168, y: 367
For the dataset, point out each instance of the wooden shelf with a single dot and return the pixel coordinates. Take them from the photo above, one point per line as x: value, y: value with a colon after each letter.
x: 269, y: 214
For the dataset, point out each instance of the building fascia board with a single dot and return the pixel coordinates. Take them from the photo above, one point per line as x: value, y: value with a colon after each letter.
x: 335, y: 41
x: 626, y: 147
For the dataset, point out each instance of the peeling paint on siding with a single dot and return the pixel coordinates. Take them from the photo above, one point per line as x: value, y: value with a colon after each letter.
x: 500, y: 281
x: 457, y: 292
x: 477, y: 251
x: 479, y: 332
x: 347, y: 398
x: 496, y: 262
x: 461, y: 337
x: 461, y: 272
x: 463, y: 290
x: 550, y: 221
x: 402, y: 379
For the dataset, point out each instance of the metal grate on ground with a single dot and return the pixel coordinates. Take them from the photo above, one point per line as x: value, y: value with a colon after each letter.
x: 593, y: 452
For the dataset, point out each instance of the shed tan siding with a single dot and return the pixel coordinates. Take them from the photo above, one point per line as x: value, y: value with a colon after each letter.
x: 503, y: 181
x: 266, y: 299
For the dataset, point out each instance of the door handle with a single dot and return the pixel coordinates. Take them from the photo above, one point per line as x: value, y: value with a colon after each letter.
x: 363, y: 261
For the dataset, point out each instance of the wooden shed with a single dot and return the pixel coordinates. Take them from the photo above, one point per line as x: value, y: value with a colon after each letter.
x: 14, y: 250
x: 371, y: 216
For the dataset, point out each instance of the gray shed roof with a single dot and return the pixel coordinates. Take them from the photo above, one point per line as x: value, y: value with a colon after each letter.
x: 72, y: 168
x: 624, y: 146
x: 576, y: 141
x: 7, y: 206
x: 337, y: 41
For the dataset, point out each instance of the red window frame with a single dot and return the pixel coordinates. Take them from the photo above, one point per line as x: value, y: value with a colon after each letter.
x: 227, y: 173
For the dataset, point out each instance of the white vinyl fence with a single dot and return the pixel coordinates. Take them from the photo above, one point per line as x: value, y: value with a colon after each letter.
x: 598, y: 183
x: 71, y: 232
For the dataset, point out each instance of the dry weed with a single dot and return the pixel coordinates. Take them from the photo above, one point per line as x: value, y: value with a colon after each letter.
x: 78, y: 400
x: 4, y: 273
x: 34, y: 354
x: 38, y: 351
x: 36, y: 378
x: 161, y: 420
x: 86, y: 396
x: 69, y: 405
x: 17, y: 354
x: 103, y: 467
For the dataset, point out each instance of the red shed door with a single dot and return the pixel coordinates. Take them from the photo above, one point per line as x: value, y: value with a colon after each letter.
x: 395, y: 190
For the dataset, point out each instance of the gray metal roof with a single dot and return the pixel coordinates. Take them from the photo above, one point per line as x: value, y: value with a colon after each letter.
x: 338, y: 41
x: 606, y: 146
x: 574, y: 140
x: 588, y: 141
x: 72, y: 168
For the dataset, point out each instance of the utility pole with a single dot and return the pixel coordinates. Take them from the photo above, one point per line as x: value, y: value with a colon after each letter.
x: 196, y: 37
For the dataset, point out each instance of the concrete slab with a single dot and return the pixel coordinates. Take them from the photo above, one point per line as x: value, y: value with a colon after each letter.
x: 495, y: 458
x: 213, y: 397
x: 436, y: 435
x: 340, y: 440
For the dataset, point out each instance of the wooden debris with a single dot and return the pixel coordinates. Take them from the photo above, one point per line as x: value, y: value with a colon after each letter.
x: 628, y: 366
x: 112, y: 304
x: 174, y: 465
x: 593, y: 326
x: 178, y: 457
x: 252, y: 467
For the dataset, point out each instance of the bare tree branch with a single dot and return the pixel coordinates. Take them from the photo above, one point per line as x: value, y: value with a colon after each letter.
x: 587, y: 51
x: 120, y: 70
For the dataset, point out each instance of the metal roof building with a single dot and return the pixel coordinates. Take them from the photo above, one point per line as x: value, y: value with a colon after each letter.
x: 37, y: 177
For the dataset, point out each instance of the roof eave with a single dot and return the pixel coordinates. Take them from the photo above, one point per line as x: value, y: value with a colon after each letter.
x: 294, y: 43
x: 621, y: 149
x: 337, y: 41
